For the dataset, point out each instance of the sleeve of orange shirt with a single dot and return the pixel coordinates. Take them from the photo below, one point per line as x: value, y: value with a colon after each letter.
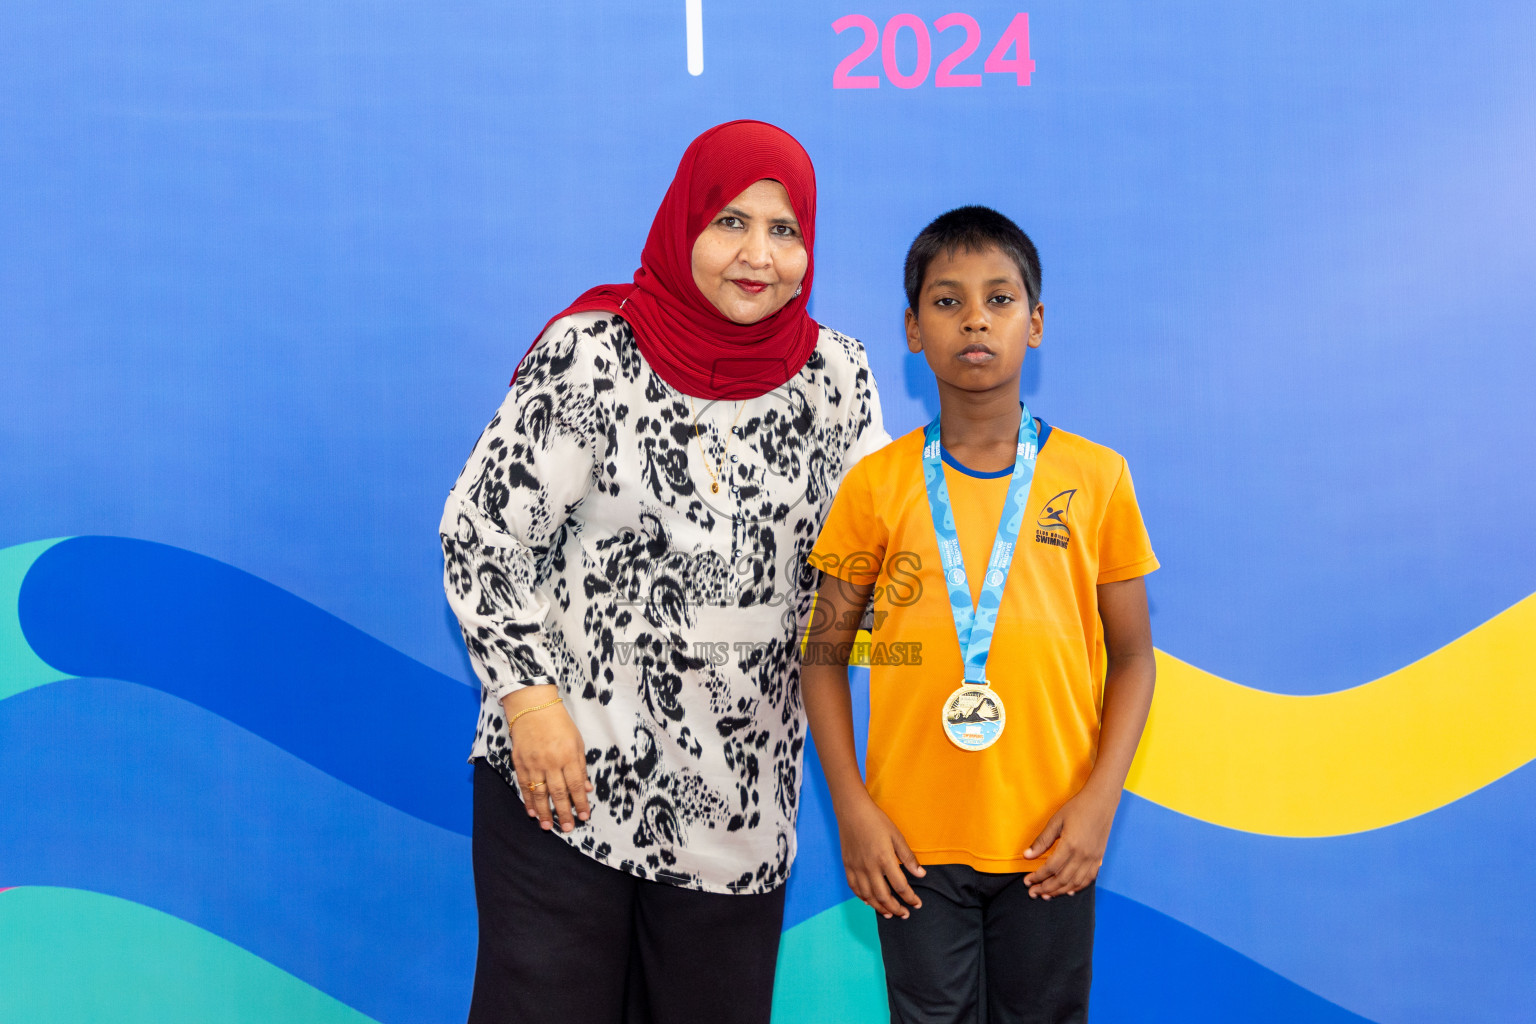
x: 852, y: 542
x: 1125, y: 550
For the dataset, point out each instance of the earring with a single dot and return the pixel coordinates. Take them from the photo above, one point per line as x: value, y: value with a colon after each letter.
x: 797, y: 291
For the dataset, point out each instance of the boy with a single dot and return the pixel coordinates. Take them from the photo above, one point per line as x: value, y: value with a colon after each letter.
x: 998, y: 752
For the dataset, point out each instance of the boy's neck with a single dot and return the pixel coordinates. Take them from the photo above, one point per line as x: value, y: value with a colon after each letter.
x: 969, y: 421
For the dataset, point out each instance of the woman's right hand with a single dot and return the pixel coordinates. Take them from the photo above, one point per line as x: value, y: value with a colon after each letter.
x: 549, y: 758
x: 874, y: 853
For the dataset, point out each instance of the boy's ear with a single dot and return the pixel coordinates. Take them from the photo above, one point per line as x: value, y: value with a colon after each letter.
x: 914, y: 335
x: 1037, y: 325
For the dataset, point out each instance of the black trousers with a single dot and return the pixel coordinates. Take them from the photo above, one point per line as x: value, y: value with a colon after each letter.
x: 567, y: 940
x: 980, y: 951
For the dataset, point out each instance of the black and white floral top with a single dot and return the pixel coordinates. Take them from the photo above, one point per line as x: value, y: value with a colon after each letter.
x: 586, y: 546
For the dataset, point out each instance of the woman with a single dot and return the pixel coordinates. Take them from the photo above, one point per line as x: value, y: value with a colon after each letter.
x: 625, y: 551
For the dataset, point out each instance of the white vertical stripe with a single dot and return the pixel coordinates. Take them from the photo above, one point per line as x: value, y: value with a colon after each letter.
x: 695, y: 10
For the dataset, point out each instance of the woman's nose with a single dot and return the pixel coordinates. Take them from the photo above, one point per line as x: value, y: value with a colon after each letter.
x: 755, y: 251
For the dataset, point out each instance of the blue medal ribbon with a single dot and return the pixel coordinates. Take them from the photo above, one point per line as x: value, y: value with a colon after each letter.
x: 975, y: 625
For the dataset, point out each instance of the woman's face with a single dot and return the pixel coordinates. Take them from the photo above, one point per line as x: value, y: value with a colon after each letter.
x: 751, y: 258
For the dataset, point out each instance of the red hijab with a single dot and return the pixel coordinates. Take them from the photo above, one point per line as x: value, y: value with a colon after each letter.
x: 684, y: 338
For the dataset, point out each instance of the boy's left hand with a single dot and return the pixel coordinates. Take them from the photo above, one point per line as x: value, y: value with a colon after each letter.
x: 1080, y: 831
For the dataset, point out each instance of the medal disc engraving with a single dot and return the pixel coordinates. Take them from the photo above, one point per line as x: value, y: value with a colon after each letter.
x: 974, y: 717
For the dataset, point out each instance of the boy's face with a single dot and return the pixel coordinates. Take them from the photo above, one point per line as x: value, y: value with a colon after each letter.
x: 973, y: 321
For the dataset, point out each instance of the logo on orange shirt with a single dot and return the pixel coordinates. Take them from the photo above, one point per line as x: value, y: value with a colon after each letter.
x: 1051, y: 527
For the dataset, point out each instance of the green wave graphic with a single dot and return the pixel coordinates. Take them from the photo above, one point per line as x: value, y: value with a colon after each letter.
x: 73, y: 957
x: 20, y: 668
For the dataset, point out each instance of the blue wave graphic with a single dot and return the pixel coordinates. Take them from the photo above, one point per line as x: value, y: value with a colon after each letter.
x: 100, y: 781
x: 1414, y: 924
x: 123, y: 790
x: 1149, y: 967
x: 818, y: 880
x: 251, y: 652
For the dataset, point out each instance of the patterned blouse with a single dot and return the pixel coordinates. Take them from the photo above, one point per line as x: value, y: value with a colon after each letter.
x: 646, y: 553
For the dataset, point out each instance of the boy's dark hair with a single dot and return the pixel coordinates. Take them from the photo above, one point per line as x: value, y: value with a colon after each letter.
x: 972, y: 228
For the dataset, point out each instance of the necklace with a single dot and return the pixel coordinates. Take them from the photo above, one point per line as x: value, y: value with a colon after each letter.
x: 719, y: 466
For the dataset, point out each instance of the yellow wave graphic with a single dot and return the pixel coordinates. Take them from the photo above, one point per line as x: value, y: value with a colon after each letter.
x: 1336, y: 763
x: 1326, y: 765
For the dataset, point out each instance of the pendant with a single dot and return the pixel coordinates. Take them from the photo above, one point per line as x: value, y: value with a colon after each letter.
x: 973, y: 716
x: 714, y: 487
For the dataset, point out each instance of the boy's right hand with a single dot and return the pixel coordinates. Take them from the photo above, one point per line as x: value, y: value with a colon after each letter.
x: 874, y: 854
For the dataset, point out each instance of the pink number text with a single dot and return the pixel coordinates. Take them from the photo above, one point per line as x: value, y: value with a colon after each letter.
x: 1008, y: 56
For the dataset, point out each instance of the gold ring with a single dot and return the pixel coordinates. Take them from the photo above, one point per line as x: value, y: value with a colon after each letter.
x: 536, y: 785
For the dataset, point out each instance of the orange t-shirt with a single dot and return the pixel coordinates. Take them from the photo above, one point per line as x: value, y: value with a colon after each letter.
x: 1082, y: 527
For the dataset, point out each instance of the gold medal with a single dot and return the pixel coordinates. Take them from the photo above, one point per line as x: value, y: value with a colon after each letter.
x: 974, y: 716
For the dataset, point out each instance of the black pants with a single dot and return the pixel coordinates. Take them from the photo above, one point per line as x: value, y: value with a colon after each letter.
x: 567, y: 940
x: 980, y: 951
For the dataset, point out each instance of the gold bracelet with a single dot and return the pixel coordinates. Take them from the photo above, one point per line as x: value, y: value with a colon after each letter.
x: 537, y: 707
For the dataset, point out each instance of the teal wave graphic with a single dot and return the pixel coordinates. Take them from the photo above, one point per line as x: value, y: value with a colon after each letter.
x: 124, y: 790
x: 20, y: 667
x: 74, y: 957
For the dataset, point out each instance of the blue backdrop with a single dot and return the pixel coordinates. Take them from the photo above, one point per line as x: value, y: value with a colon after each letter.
x: 265, y: 268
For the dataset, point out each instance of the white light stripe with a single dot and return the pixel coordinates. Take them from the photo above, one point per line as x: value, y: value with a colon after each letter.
x: 695, y: 10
